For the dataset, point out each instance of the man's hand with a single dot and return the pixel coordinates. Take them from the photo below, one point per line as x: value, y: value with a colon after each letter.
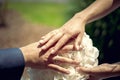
x: 36, y: 58
x: 102, y: 71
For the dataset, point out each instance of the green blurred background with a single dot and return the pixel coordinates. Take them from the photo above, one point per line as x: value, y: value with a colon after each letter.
x: 56, y: 13
x: 104, y: 32
x: 48, y: 13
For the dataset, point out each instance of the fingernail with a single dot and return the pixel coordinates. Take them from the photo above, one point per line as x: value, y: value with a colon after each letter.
x: 43, y: 47
x: 43, y: 37
x: 77, y: 68
x: 52, y: 51
x: 78, y: 47
x: 41, y: 41
x: 77, y: 62
x: 39, y: 50
x: 68, y: 72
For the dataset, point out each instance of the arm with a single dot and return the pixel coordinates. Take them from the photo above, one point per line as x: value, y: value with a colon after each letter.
x: 13, y: 61
x: 102, y: 71
x: 75, y: 27
x: 99, y: 9
x: 36, y: 58
x: 11, y: 64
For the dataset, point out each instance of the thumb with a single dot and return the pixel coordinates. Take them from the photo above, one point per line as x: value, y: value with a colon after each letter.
x: 78, y: 41
x: 91, y: 71
x: 67, y: 48
x: 84, y: 70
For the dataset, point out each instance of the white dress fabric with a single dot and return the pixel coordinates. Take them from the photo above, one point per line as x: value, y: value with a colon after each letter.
x: 87, y: 57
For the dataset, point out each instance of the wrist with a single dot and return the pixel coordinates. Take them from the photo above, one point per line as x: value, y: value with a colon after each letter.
x: 117, y: 68
x: 113, y: 70
x: 25, y: 54
x: 30, y: 53
x: 81, y: 16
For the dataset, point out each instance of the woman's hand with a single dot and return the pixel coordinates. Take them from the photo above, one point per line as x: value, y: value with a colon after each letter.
x: 73, y: 29
x: 102, y: 71
x: 36, y: 58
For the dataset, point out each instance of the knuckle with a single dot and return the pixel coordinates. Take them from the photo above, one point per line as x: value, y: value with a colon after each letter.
x: 50, y: 49
x: 67, y: 31
x: 46, y: 45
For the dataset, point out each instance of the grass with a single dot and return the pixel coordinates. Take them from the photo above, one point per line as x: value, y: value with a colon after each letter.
x: 51, y: 14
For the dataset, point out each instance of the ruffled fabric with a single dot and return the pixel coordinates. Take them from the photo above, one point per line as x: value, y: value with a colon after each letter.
x: 87, y: 57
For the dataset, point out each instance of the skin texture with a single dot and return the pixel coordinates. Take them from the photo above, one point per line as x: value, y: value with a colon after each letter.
x: 102, y: 71
x: 74, y: 29
x: 36, y: 58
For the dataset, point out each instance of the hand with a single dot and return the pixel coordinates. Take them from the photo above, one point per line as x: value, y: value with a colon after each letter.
x: 73, y: 29
x: 35, y: 58
x: 102, y: 71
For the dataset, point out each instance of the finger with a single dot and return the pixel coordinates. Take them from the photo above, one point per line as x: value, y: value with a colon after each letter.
x: 78, y: 41
x: 60, y: 43
x: 64, y: 60
x: 45, y: 38
x: 85, y: 70
x: 47, y: 53
x: 88, y: 71
x: 67, y: 48
x: 58, y: 68
x: 52, y: 41
x: 92, y: 71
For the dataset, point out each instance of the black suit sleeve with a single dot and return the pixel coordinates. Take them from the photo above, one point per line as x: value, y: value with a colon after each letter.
x: 11, y: 64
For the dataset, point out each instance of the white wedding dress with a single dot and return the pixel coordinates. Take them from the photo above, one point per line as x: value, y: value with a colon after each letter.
x: 87, y: 57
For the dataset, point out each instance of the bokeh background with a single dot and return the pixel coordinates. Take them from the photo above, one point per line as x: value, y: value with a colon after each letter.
x: 25, y: 21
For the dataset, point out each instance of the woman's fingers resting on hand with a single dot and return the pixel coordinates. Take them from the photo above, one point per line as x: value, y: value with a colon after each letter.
x: 73, y: 29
